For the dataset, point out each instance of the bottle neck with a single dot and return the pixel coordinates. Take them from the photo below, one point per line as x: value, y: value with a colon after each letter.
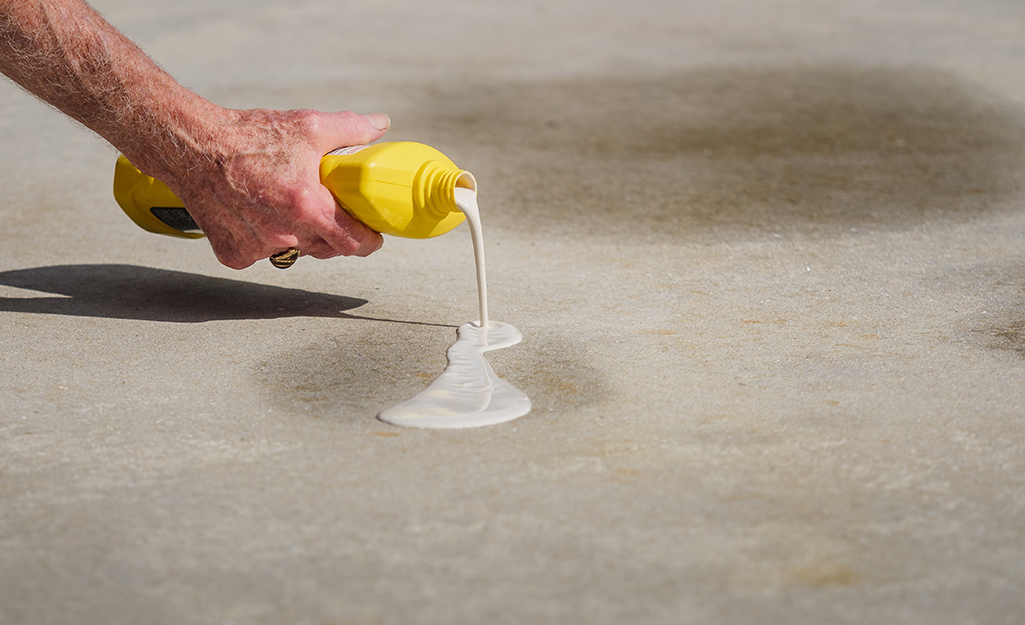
x: 436, y: 185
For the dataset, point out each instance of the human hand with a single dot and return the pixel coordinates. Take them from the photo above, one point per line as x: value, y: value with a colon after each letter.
x: 250, y: 179
x: 253, y: 185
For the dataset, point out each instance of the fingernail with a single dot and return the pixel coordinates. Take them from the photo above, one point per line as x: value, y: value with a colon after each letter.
x: 379, y: 121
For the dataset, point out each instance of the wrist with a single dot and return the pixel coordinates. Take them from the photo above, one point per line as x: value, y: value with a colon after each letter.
x: 177, y: 134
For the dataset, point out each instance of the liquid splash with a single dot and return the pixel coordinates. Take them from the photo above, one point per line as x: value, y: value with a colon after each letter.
x: 468, y: 393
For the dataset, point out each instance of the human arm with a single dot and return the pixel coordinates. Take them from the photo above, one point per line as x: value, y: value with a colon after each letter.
x: 249, y: 178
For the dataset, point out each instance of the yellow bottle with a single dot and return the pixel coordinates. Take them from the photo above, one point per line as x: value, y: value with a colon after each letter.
x: 402, y: 188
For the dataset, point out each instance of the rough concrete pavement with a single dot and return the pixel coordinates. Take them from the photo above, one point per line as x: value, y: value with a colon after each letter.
x: 768, y: 259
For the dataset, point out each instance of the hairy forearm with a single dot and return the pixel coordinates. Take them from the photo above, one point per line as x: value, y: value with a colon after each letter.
x: 66, y: 54
x: 250, y: 179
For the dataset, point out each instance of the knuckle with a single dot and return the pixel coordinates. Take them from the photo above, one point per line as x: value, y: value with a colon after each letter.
x: 297, y: 198
x: 347, y: 246
x: 344, y: 243
x: 308, y: 121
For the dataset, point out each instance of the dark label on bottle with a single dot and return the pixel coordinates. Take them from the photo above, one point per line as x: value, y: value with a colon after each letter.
x: 175, y: 217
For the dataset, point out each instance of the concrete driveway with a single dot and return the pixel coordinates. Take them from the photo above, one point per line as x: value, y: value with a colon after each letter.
x: 768, y: 259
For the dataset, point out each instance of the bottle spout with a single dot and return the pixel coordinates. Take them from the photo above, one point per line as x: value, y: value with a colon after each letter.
x: 436, y: 185
x: 466, y: 181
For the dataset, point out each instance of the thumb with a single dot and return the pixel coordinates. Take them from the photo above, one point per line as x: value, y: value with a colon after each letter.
x: 340, y: 130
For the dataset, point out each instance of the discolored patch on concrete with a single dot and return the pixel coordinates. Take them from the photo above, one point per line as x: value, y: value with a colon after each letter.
x: 371, y: 366
x: 554, y: 370
x: 1001, y: 326
x: 354, y: 373
x: 1008, y: 337
x: 813, y: 148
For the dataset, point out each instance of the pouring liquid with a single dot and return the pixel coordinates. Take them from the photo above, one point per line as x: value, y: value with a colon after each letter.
x: 466, y: 200
x: 467, y: 393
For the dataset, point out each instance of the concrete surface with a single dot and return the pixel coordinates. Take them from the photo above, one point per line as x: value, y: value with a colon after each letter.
x: 768, y: 257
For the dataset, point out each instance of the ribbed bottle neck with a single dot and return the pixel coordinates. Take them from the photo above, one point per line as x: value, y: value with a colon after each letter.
x: 437, y: 183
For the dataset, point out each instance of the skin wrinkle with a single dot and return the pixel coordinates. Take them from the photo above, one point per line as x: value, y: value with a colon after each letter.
x: 250, y: 179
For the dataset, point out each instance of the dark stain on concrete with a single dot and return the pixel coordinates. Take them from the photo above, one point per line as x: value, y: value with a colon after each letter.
x: 822, y: 574
x: 1010, y: 337
x: 355, y: 375
x: 377, y: 365
x: 1002, y: 286
x: 807, y: 147
x: 554, y: 370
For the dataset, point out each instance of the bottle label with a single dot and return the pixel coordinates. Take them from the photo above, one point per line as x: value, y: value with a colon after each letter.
x: 347, y: 151
x: 175, y: 217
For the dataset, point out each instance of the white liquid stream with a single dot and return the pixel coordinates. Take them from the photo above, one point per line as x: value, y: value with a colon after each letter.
x: 468, y: 393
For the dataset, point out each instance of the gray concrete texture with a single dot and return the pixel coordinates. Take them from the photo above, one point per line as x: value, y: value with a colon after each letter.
x: 768, y: 258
